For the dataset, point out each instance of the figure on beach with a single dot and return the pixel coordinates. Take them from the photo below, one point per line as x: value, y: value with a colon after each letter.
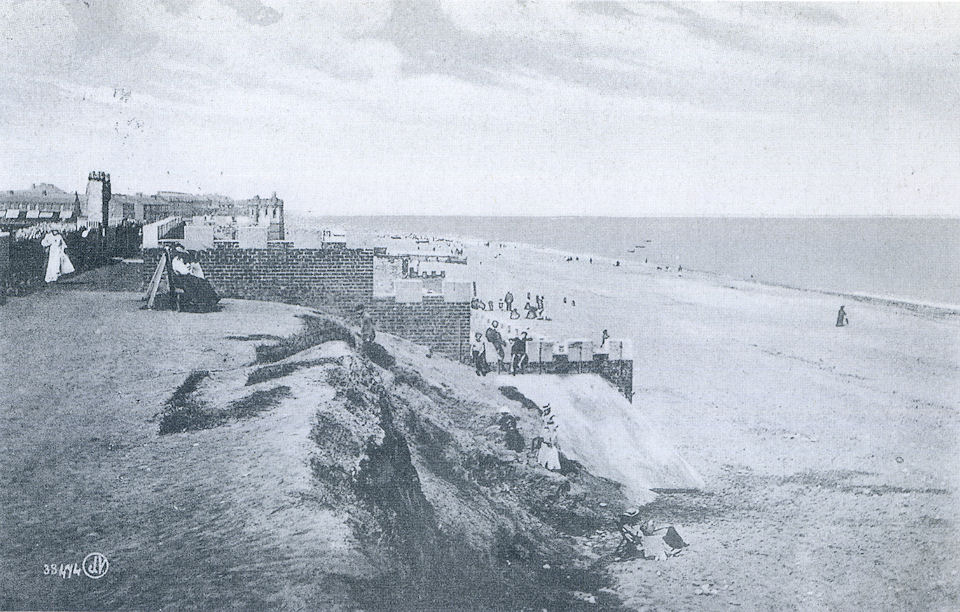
x: 508, y: 300
x: 604, y: 337
x: 479, y: 350
x: 842, y: 319
x: 368, y: 330
x: 198, y: 294
x: 494, y: 338
x: 549, y: 454
x: 57, y: 261
x: 518, y: 353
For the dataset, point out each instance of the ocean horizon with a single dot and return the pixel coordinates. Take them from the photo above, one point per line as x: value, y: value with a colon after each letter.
x: 912, y: 259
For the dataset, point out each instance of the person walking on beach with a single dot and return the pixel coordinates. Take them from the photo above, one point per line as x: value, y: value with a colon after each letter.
x: 508, y: 300
x: 518, y: 353
x: 479, y: 349
x: 842, y: 319
x: 494, y: 338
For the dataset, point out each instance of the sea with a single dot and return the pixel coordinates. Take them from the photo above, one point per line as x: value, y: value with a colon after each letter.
x: 914, y: 259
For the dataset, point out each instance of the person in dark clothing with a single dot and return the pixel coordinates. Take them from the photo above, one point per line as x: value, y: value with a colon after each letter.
x: 198, y: 295
x: 604, y: 337
x: 842, y: 319
x: 518, y: 353
x: 508, y: 300
x: 494, y: 338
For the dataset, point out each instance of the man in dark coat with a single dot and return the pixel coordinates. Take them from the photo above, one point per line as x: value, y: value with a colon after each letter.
x: 518, y: 353
x: 494, y: 338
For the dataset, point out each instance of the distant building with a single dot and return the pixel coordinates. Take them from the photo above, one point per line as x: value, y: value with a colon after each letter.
x: 100, y: 206
x: 42, y: 202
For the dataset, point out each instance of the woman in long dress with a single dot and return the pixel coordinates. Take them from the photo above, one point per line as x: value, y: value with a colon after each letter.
x: 57, y: 261
x: 198, y: 294
x: 549, y: 454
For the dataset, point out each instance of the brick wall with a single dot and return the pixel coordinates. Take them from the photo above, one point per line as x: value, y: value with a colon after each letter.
x: 443, y: 326
x: 335, y: 278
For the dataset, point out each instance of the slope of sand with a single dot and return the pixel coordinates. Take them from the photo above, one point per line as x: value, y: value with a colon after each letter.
x: 597, y: 427
x: 830, y: 454
x: 236, y: 516
x: 211, y: 519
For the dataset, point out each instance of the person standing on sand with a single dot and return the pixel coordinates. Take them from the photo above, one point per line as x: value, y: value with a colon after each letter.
x: 368, y: 331
x: 518, y: 353
x: 494, y: 338
x: 549, y: 454
x: 479, y: 349
x: 842, y: 319
x: 604, y: 337
x: 508, y: 300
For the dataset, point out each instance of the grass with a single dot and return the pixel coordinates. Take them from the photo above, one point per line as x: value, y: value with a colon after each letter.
x: 284, y: 369
x: 316, y: 331
x: 185, y: 411
x: 512, y: 393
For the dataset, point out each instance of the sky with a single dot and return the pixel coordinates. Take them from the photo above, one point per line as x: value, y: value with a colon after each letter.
x: 491, y: 108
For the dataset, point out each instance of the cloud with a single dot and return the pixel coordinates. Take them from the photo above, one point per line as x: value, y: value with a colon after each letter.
x: 585, y: 104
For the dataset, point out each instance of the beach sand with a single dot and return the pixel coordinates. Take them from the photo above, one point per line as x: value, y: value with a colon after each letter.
x: 830, y: 454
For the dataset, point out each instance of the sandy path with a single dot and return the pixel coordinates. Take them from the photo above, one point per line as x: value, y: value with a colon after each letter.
x: 831, y: 455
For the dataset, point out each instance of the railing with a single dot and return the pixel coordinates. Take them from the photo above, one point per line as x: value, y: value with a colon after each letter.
x: 153, y: 232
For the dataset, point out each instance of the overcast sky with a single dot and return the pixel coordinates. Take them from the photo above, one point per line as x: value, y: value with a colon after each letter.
x: 519, y: 107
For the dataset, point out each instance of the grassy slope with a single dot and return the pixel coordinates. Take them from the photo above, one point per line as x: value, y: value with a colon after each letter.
x: 246, y: 513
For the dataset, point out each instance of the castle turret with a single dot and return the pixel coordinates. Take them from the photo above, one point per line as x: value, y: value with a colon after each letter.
x: 96, y: 206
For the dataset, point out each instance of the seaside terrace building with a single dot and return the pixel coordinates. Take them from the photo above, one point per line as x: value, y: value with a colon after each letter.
x: 42, y: 202
x: 100, y: 207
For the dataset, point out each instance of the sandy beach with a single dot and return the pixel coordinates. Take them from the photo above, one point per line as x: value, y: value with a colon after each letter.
x: 830, y: 454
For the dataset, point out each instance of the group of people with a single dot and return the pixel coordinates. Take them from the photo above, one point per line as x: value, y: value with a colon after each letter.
x: 518, y: 350
x: 533, y: 309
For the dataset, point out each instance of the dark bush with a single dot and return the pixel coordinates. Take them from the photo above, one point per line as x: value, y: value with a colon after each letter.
x: 379, y: 355
x: 184, y: 411
x: 316, y: 331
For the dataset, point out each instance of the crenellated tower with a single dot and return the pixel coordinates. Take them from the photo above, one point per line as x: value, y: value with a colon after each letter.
x: 96, y: 206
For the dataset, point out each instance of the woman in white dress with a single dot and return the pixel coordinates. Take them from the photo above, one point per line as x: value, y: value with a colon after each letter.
x: 549, y: 454
x: 57, y: 261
